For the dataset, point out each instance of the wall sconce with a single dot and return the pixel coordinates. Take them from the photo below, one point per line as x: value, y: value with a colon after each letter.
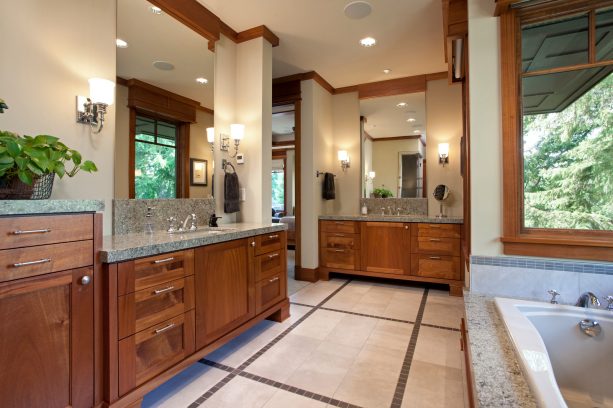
x: 343, y: 157
x: 91, y: 110
x: 210, y: 137
x: 370, y: 176
x: 237, y: 133
x: 443, y: 153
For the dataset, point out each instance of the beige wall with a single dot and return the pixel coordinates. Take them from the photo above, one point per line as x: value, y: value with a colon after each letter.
x: 385, y: 161
x: 367, y: 165
x: 444, y: 125
x: 290, y: 169
x: 485, y: 129
x: 199, y: 148
x: 48, y: 55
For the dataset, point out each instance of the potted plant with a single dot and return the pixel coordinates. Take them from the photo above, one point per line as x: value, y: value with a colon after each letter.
x: 29, y: 164
x: 382, y: 192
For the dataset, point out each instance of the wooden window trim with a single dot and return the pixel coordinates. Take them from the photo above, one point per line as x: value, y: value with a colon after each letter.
x: 517, y: 240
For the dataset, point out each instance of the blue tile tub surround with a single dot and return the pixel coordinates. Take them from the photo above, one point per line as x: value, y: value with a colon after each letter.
x: 604, y: 268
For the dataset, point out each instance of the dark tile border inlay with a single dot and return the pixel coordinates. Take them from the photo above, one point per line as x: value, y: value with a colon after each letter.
x: 240, y: 371
x: 408, y: 357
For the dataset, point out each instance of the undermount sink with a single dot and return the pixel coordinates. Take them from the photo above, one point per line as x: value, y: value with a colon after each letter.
x: 217, y: 229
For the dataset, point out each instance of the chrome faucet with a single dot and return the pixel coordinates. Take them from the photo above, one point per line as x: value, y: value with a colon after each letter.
x: 171, y: 225
x: 588, y: 300
x: 149, y: 222
x: 609, y: 300
x: 554, y: 293
x: 193, y: 227
x: 398, y: 211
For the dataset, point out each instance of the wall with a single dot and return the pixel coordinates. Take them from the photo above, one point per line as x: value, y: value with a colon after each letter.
x: 199, y: 148
x: 385, y: 161
x: 47, y: 60
x: 444, y: 125
x: 367, y: 166
x: 290, y: 169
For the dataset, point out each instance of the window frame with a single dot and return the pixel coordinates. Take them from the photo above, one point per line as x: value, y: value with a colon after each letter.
x: 516, y: 239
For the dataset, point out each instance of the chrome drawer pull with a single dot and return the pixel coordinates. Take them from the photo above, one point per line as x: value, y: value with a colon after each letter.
x: 273, y: 236
x: 276, y: 278
x: 40, y: 261
x: 38, y: 231
x: 273, y: 256
x: 158, y: 291
x: 339, y: 250
x: 163, y: 329
x: 159, y: 261
x: 339, y: 235
x: 435, y: 240
x: 435, y: 257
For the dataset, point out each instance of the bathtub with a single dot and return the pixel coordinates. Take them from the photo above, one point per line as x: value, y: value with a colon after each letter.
x: 563, y: 366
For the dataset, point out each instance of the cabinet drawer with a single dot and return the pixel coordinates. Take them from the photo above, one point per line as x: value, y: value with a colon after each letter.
x: 151, y: 351
x: 349, y: 227
x: 269, y: 264
x: 339, y: 240
x: 340, y: 258
x: 434, y: 245
x: 434, y: 266
x: 270, y: 291
x: 32, y: 261
x: 268, y: 242
x: 17, y: 232
x: 156, y: 270
x: 438, y: 230
x: 148, y: 307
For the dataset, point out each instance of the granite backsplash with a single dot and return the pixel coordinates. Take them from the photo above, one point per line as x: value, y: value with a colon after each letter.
x: 408, y: 206
x: 129, y: 215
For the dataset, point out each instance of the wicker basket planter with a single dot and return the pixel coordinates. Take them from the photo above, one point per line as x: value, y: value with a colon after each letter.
x: 15, y: 189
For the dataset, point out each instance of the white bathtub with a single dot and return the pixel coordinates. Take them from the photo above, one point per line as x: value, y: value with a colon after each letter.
x: 564, y: 367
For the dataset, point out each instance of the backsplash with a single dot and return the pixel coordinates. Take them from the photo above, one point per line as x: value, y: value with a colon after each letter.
x: 129, y: 215
x: 531, y: 278
x: 408, y: 206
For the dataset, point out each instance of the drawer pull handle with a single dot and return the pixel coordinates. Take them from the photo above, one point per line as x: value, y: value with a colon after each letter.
x: 276, y: 278
x: 435, y: 240
x: 406, y: 227
x: 339, y: 235
x: 339, y: 250
x: 86, y: 280
x: 253, y: 243
x: 158, y: 291
x: 37, y: 231
x: 163, y: 329
x: 435, y: 257
x: 40, y: 261
x: 273, y: 256
x: 159, y: 261
x: 273, y: 236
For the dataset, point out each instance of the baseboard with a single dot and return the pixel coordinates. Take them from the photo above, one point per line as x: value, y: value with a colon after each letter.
x: 306, y: 274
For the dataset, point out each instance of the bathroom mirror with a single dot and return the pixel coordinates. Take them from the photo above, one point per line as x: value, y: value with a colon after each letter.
x: 164, y: 102
x: 393, y: 146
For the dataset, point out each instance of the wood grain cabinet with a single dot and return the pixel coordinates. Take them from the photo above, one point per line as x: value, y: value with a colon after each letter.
x: 386, y: 247
x: 339, y: 243
x: 47, y: 303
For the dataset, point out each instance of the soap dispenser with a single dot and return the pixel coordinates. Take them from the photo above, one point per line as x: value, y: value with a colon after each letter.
x: 364, y: 209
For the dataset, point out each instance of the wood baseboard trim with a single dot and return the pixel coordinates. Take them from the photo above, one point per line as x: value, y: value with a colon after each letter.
x: 306, y: 274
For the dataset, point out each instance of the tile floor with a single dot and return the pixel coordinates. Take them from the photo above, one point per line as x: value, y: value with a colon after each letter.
x: 348, y: 343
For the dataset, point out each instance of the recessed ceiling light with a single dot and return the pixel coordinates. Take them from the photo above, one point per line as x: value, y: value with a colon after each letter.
x: 201, y: 80
x: 387, y: 71
x: 358, y: 9
x: 368, y: 42
x: 164, y: 65
x: 411, y: 120
x: 416, y: 131
x: 155, y: 10
x: 402, y: 105
x: 121, y: 43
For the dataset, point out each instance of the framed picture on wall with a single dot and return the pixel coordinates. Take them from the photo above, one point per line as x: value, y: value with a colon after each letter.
x: 198, y: 172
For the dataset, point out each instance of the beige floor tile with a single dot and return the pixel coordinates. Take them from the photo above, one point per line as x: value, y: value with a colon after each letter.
x: 241, y: 392
x: 344, y: 300
x: 403, y: 307
x: 366, y: 391
x: 284, y: 399
x: 443, y: 313
x: 373, y: 302
x: 392, y: 335
x: 325, y: 368
x: 184, y: 388
x: 295, y: 313
x: 315, y: 293
x: 319, y: 324
x: 280, y: 361
x: 352, y: 330
x: 433, y: 386
x: 378, y: 362
x: 438, y: 346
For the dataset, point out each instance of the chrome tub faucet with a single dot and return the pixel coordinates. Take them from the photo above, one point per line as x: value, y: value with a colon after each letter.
x: 588, y: 300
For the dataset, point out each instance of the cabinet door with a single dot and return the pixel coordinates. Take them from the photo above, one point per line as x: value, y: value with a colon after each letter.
x: 225, y: 288
x: 47, y: 341
x: 386, y: 247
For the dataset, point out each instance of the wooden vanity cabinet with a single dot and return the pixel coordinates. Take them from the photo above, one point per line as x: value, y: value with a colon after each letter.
x: 386, y: 247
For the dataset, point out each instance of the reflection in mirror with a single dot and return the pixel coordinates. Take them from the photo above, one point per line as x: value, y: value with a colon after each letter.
x: 393, y: 146
x: 164, y: 105
x: 283, y: 164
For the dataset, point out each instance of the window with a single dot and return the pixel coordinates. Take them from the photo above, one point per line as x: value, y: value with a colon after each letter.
x: 278, y: 190
x: 557, y: 82
x: 155, y: 158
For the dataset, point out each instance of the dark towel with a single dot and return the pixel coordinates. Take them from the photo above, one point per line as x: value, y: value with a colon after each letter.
x: 231, y: 193
x: 328, y: 192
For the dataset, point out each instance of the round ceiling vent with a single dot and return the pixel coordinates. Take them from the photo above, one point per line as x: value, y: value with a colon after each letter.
x: 164, y: 65
x: 358, y: 9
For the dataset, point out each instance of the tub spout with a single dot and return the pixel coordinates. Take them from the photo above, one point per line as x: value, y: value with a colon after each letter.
x: 588, y: 300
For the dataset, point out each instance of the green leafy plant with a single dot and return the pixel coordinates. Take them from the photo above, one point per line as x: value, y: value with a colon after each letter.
x: 30, y: 157
x: 382, y: 192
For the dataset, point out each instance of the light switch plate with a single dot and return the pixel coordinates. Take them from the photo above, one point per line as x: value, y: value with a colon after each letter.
x: 240, y: 158
x: 243, y: 194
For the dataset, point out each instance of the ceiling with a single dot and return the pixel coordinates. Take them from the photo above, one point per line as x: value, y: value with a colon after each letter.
x: 385, y: 119
x: 316, y: 35
x: 152, y: 38
x: 282, y: 123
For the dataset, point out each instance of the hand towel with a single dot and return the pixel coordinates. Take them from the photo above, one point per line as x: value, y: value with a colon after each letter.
x: 231, y: 193
x: 328, y: 192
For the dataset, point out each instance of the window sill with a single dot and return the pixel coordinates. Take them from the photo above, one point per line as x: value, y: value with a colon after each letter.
x: 551, y: 247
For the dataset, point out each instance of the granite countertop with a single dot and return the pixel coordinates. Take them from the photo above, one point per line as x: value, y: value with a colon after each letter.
x: 499, y: 380
x: 24, y: 207
x: 117, y: 248
x: 394, y: 218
